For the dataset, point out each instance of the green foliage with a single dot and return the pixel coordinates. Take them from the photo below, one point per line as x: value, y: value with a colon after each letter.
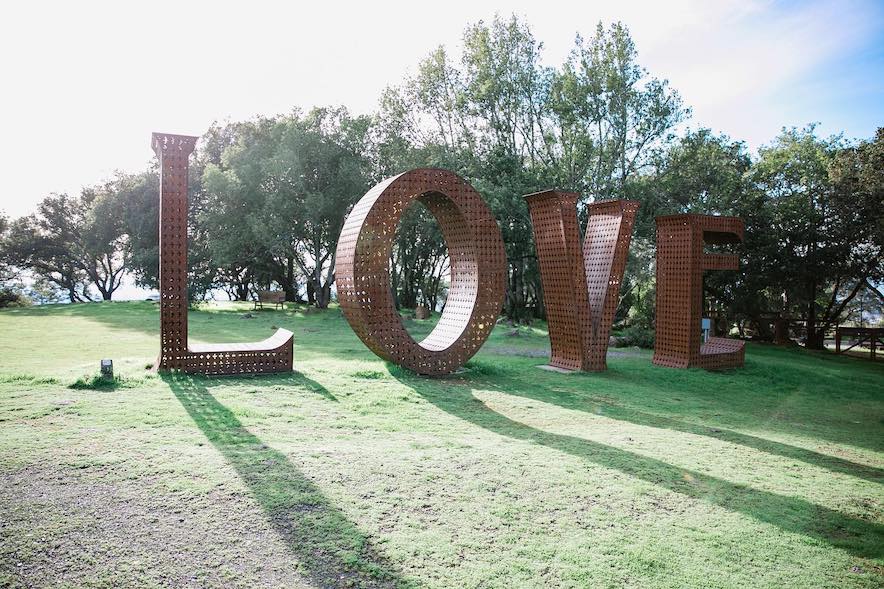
x: 419, y: 263
x: 698, y: 173
x: 74, y: 244
x: 858, y: 177
x: 370, y: 374
x: 6, y: 270
x: 612, y: 115
x: 514, y: 126
x: 96, y: 382
x: 277, y: 199
x: 12, y: 298
x: 826, y: 228
x: 99, y: 382
x: 635, y: 336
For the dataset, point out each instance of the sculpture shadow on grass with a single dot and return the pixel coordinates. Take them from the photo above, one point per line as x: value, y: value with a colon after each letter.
x: 332, y: 551
x: 569, y: 400
x: 742, y: 399
x: 790, y: 514
x: 282, y: 378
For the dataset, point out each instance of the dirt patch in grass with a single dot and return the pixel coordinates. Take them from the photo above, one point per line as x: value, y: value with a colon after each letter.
x: 523, y: 352
x: 63, y: 528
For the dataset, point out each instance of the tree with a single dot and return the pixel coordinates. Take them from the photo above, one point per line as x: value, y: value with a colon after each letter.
x: 234, y: 197
x: 278, y: 199
x: 102, y: 247
x: 825, y: 213
x: 611, y: 115
x: 483, y: 120
x: 325, y: 166
x: 858, y: 176
x: 75, y: 243
x: 10, y: 291
x: 419, y: 260
x: 48, y: 259
x: 513, y: 126
x: 139, y: 202
x: 703, y: 173
x: 5, y: 263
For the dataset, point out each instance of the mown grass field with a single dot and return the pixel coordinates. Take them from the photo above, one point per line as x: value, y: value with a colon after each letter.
x: 351, y: 472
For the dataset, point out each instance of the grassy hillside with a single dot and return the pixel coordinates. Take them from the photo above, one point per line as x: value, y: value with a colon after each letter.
x: 352, y: 472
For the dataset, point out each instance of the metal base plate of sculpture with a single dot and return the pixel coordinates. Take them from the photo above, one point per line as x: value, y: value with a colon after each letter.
x: 581, y: 284
x: 477, y: 265
x: 271, y: 355
x: 681, y: 262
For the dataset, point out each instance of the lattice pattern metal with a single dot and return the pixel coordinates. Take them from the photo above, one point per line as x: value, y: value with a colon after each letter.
x: 680, y: 265
x: 271, y: 355
x: 580, y: 285
x: 477, y: 262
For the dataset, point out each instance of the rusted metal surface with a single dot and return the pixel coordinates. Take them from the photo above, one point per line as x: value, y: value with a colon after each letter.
x: 173, y: 152
x: 272, y: 355
x: 680, y: 266
x: 477, y: 263
x: 580, y: 284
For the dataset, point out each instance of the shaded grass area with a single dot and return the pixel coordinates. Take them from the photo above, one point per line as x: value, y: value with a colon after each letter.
x: 863, y: 538
x: 351, y: 472
x: 331, y: 550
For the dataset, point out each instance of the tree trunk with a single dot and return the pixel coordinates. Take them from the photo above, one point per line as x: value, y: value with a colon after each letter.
x: 814, y: 334
x: 781, y: 331
x: 326, y: 296
x: 321, y: 293
x: 539, y: 305
x: 242, y: 290
x: 762, y: 328
x: 515, y: 295
x: 289, y: 286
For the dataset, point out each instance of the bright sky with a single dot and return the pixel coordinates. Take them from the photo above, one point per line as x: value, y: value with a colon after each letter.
x: 85, y: 83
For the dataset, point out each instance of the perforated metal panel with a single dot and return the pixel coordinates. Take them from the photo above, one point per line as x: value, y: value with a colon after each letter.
x: 580, y: 285
x: 680, y: 265
x: 272, y: 355
x: 173, y: 152
x: 477, y: 262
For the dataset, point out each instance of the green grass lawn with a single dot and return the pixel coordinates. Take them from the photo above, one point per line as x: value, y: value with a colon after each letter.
x: 352, y: 472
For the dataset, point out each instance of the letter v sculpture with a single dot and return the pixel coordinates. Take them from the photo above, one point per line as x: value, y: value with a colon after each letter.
x: 581, y: 285
x: 271, y: 355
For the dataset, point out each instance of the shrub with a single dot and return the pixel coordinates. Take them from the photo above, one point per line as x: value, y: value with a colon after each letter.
x: 11, y: 298
x: 635, y: 336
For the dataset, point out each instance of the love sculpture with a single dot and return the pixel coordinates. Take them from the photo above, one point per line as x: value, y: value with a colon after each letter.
x: 581, y: 282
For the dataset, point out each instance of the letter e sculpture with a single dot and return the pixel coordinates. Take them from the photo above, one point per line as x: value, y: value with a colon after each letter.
x: 680, y: 265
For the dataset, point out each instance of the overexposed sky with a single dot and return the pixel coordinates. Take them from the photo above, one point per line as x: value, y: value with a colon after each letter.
x: 84, y: 83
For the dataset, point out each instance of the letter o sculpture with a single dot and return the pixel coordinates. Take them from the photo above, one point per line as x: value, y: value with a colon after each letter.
x: 476, y: 258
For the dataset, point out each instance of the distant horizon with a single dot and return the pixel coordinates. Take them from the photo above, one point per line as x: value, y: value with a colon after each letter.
x: 88, y: 94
